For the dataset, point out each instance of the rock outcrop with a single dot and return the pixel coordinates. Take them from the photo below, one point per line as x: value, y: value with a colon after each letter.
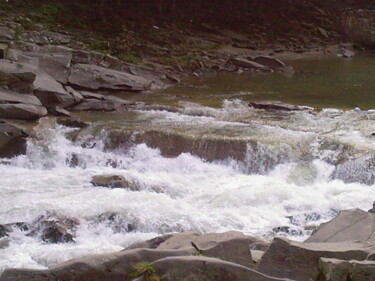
x: 99, y: 78
x: 300, y: 261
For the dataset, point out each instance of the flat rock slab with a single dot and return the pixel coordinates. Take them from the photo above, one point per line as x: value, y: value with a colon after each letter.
x: 13, y: 97
x: 17, y: 76
x: 99, y: 78
x: 22, y: 111
x: 350, y: 225
x: 231, y: 246
x: 107, y: 267
x: 204, y: 268
x: 300, y: 261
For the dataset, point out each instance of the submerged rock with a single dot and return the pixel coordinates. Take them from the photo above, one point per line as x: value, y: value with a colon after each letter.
x: 277, y: 106
x: 71, y: 122
x: 52, y: 228
x: 271, y: 62
x: 113, y: 181
x: 244, y: 63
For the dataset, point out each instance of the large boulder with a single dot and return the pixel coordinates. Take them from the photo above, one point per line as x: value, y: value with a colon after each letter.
x: 350, y: 225
x: 231, y: 246
x: 13, y: 97
x: 53, y: 60
x: 107, y: 267
x: 12, y: 140
x: 192, y: 268
x: 300, y: 261
x: 99, y: 78
x: 271, y: 62
x: 343, y: 270
x: 17, y: 76
x: 50, y: 92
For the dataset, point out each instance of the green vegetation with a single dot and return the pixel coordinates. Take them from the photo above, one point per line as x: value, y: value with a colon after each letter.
x: 146, y: 270
x: 129, y: 57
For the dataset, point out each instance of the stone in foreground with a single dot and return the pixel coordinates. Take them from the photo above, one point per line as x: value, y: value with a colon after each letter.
x: 342, y: 270
x: 191, y: 268
x: 300, y: 261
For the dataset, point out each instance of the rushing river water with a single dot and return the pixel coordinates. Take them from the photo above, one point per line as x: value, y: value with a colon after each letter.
x: 201, y: 162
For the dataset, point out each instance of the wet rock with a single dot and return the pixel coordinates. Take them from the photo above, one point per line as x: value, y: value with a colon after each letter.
x: 270, y: 62
x: 99, y: 78
x: 75, y: 94
x: 343, y: 270
x: 113, y: 181
x: 52, y: 228
x: 105, y: 267
x: 12, y: 140
x: 17, y: 76
x: 3, y: 231
x: 205, y: 268
x: 244, y: 63
x: 300, y: 261
x: 231, y: 246
x: 71, y: 122
x: 59, y: 111
x: 276, y: 106
x: 50, y: 92
x: 4, y: 243
x: 372, y: 210
x: 349, y: 225
x: 287, y: 230
x: 99, y: 105
x: 118, y: 222
x: 22, y: 111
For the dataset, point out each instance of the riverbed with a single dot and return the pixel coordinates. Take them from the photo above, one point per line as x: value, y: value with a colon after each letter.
x: 203, y: 160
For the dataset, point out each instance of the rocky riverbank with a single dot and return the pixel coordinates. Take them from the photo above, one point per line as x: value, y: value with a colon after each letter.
x: 339, y: 250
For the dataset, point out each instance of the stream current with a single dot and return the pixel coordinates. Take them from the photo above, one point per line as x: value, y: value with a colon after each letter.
x: 197, y: 167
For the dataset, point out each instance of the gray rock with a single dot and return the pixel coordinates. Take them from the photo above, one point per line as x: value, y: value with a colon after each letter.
x: 348, y: 54
x: 192, y: 268
x: 98, y: 78
x: 59, y: 111
x: 22, y: 111
x: 113, y: 181
x: 350, y: 225
x: 45, y: 37
x: 12, y: 140
x: 300, y: 261
x: 71, y: 122
x: 98, y: 105
x: 6, y: 34
x: 50, y: 92
x: 342, y: 270
x: 75, y: 94
x: 271, y: 62
x: 12, y: 97
x: 107, y: 267
x: 17, y: 76
x: 231, y: 246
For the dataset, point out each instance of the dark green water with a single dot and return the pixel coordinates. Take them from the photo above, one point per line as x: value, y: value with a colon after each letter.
x: 321, y: 83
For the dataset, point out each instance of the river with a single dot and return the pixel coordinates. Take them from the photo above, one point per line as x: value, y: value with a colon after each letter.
x: 203, y: 160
